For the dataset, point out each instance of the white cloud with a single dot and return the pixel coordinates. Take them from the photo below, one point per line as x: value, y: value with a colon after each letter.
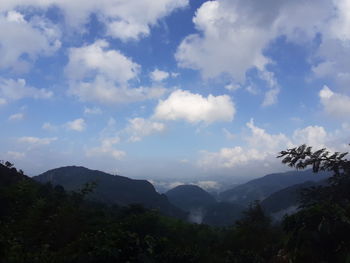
x: 263, y: 141
x: 233, y: 35
x: 159, y: 75
x: 16, y: 117
x: 106, y: 149
x: 92, y: 111
x: 315, y: 136
x: 232, y: 87
x: 122, y: 19
x: 229, y: 135
x: 11, y: 89
x: 97, y: 73
x: 129, y: 23
x: 333, y: 54
x: 335, y: 104
x: 334, y: 49
x: 76, y: 125
x: 229, y: 157
x: 105, y: 91
x: 20, y: 38
x: 208, y: 185
x: 49, y: 127
x: 195, y: 108
x: 175, y: 184
x: 228, y: 43
x: 139, y: 127
x: 261, y: 147
x: 36, y: 141
x: 113, y: 65
x: 341, y: 24
x: 174, y: 74
x: 271, y: 97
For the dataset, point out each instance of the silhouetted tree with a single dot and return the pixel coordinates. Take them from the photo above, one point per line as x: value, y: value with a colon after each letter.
x: 320, y: 231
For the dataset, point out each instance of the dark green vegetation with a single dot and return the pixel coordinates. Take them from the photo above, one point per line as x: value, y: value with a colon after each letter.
x: 189, y: 197
x: 287, y: 199
x: 45, y: 223
x: 202, y: 207
x: 263, y: 187
x: 111, y: 189
x: 320, y: 231
x: 222, y: 214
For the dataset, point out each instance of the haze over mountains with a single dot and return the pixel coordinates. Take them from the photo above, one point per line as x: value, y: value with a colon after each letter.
x: 111, y: 189
x: 261, y: 188
x: 278, y: 192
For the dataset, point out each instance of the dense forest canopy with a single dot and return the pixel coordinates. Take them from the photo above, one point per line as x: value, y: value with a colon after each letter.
x: 45, y: 223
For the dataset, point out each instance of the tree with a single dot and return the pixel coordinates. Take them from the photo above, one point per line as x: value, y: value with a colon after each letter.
x: 320, y: 231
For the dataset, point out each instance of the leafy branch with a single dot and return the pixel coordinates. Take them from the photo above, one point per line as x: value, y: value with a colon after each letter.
x: 321, y: 160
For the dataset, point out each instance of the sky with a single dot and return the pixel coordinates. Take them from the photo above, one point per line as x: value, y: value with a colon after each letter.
x: 172, y: 88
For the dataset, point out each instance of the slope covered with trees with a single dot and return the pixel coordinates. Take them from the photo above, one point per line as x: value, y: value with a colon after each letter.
x: 111, y: 189
x: 45, y: 223
x: 261, y: 188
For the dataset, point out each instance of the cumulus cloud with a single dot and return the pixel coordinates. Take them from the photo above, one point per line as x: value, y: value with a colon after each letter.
x: 315, y: 136
x: 22, y: 41
x: 232, y: 87
x: 97, y: 73
x: 270, y: 97
x: 229, y: 157
x: 262, y: 140
x: 232, y: 36
x: 140, y: 127
x: 122, y: 19
x: 92, y: 111
x: 159, y: 75
x: 49, y: 127
x: 36, y: 141
x: 335, y: 104
x: 16, y: 117
x: 228, y: 43
x: 78, y: 125
x: 11, y: 90
x: 262, y: 147
x: 86, y: 60
x: 106, y: 149
x: 194, y: 108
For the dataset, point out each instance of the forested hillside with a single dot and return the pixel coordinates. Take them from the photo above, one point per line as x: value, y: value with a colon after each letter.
x: 111, y: 189
x: 45, y: 223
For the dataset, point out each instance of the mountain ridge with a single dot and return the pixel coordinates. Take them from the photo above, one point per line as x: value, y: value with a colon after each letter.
x: 262, y: 187
x: 110, y: 189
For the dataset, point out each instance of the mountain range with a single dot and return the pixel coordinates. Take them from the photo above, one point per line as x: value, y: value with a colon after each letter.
x: 278, y: 193
x: 261, y: 188
x: 111, y: 189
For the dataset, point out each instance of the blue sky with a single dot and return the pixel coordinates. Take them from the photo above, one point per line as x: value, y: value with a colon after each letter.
x: 172, y: 88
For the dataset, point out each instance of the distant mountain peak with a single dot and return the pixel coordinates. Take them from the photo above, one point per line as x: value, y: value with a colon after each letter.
x: 111, y: 189
x: 189, y: 196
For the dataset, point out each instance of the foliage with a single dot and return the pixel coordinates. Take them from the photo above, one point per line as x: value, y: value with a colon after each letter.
x: 320, y: 231
x: 42, y: 223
